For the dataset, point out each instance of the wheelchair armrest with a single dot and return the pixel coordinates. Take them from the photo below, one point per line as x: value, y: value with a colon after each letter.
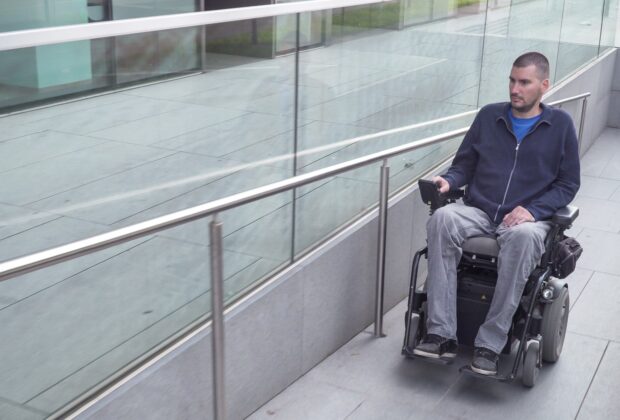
x: 565, y: 216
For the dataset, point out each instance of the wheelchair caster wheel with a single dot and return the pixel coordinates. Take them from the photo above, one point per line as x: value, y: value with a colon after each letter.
x: 531, y: 367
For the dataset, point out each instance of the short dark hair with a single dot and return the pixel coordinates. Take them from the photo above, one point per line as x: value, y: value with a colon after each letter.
x: 534, y: 58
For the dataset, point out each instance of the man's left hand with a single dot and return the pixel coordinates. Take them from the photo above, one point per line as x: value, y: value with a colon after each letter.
x: 517, y: 216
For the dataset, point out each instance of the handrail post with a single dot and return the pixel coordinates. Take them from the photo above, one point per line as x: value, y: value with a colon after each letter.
x: 584, y: 107
x: 381, y: 243
x: 217, y: 318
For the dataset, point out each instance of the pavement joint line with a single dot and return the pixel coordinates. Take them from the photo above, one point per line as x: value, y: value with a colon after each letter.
x: 591, y: 336
x: 581, y: 292
x: 592, y: 380
x: 354, y: 410
x: 22, y: 406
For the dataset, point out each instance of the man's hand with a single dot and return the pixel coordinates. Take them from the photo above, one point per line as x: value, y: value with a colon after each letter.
x: 517, y: 216
x: 442, y: 185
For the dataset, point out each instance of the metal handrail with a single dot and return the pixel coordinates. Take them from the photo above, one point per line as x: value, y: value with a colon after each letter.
x: 72, y: 250
x: 75, y: 249
x: 85, y: 31
x: 32, y: 262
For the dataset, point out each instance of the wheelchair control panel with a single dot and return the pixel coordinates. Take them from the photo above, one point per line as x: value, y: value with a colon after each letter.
x: 431, y: 195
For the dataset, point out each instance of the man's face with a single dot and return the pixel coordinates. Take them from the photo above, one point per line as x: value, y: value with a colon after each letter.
x: 526, y: 88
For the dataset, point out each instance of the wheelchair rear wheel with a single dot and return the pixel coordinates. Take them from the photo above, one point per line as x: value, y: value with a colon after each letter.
x: 555, y: 319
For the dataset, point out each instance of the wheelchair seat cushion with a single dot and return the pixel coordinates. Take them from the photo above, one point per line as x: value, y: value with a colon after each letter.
x: 482, y: 245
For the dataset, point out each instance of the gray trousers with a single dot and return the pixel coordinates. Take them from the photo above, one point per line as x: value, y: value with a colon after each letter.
x: 521, y: 247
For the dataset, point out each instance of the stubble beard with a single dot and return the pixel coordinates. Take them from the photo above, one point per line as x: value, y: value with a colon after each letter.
x: 526, y: 107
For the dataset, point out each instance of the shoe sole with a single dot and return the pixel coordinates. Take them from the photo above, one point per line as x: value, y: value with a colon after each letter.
x: 482, y: 371
x: 434, y: 355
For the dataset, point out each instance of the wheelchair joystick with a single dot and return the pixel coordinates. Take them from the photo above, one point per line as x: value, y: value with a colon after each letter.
x: 431, y: 195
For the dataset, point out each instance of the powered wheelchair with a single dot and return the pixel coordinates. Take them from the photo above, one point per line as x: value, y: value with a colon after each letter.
x: 539, y: 323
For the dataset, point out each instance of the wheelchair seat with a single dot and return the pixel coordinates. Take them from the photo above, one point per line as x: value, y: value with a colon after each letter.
x: 481, y: 245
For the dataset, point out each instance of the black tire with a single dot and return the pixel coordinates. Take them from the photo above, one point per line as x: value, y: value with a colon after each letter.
x: 530, y: 364
x: 555, y: 319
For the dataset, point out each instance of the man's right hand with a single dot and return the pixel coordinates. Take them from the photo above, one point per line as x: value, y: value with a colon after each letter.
x: 442, y: 185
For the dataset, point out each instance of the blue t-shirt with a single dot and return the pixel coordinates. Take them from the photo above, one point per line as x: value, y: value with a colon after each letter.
x: 521, y: 126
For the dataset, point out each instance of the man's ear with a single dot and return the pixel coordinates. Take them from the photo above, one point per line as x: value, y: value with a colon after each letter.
x: 545, y: 85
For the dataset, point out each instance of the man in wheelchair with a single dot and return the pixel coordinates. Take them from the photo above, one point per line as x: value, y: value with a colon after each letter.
x: 520, y: 163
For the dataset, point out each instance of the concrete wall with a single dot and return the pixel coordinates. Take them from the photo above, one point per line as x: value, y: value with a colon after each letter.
x: 613, y: 118
x: 307, y: 312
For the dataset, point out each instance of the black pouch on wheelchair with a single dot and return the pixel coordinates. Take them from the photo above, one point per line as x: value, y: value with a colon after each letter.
x: 567, y: 252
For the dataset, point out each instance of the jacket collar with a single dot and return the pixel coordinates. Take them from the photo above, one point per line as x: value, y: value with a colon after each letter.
x: 545, y: 116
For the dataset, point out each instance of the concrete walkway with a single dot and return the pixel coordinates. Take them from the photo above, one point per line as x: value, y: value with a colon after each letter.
x: 369, y: 379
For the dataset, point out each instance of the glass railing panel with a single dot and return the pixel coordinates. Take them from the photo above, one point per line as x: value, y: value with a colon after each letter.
x: 71, y: 328
x: 609, y: 30
x: 324, y: 206
x: 49, y: 72
x: 581, y: 32
x: 32, y: 76
x: 312, y: 30
x: 77, y: 169
x: 235, y: 121
x: 373, y: 78
x: 512, y: 29
x: 127, y: 156
x: 261, y: 234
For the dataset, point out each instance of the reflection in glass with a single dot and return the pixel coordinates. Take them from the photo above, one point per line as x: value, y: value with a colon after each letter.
x: 580, y: 36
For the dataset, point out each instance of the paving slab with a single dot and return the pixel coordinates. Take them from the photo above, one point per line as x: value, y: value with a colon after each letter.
x: 577, y: 281
x: 10, y: 131
x: 124, y: 194
x: 14, y: 411
x: 46, y: 233
x: 599, y: 188
x: 37, y: 147
x: 598, y: 308
x: 44, y: 179
x: 560, y: 388
x: 595, y: 160
x: 596, y: 213
x: 600, y: 251
x: 340, y: 110
x: 375, y: 368
x: 17, y: 219
x: 175, y: 89
x: 232, y: 135
x: 93, y: 119
x: 67, y: 108
x: 181, y: 119
x: 602, y: 401
x: 414, y: 111
x: 239, y: 94
x: 310, y: 399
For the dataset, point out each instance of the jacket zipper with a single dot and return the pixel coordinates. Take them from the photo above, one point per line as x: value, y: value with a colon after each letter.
x: 509, y: 179
x: 515, y: 164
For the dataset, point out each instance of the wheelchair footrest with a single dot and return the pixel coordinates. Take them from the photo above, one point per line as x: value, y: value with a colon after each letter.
x: 440, y: 361
x: 500, y: 378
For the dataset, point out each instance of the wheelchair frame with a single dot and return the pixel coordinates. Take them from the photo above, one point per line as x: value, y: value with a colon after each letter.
x: 540, y: 291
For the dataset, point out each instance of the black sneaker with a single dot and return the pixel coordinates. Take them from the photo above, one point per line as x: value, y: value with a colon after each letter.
x: 435, y: 347
x: 485, y: 361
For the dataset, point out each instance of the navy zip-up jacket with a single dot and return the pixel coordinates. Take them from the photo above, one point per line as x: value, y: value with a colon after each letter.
x: 541, y: 174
